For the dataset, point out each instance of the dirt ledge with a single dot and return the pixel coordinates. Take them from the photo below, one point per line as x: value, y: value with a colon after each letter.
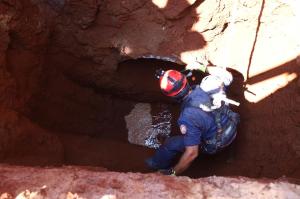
x: 91, y: 182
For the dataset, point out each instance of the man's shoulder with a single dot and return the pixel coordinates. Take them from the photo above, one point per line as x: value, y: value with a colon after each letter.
x: 194, y: 112
x: 197, y: 99
x: 199, y: 94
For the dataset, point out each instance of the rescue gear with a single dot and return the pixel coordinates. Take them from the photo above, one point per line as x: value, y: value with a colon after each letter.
x: 173, y: 83
x: 215, y: 87
x: 211, y: 84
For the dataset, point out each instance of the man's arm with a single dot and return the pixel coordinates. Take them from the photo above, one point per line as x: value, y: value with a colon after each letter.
x: 190, y: 153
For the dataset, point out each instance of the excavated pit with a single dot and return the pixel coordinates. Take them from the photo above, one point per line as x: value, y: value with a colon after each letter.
x: 66, y: 89
x: 90, y: 125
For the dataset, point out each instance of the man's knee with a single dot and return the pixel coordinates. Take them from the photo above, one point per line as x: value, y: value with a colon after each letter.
x: 175, y: 143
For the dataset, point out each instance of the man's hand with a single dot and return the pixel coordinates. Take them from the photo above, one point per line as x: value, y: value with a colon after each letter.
x: 168, y: 172
x: 190, y: 153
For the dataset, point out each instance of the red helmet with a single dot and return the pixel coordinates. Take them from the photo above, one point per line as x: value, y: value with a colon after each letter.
x: 173, y: 83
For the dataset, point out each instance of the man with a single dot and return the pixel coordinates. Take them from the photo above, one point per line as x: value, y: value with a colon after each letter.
x: 206, y: 123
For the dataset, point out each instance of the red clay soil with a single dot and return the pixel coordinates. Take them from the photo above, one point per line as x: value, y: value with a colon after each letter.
x: 89, y: 182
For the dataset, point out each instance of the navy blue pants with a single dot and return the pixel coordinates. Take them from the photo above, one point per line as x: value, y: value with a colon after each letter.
x: 166, y: 153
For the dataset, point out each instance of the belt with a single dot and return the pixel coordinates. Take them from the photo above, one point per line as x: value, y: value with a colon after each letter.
x: 224, y: 122
x: 216, y: 138
x: 214, y: 145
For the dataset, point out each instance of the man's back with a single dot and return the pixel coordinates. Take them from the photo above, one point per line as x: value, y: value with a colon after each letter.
x: 197, y: 122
